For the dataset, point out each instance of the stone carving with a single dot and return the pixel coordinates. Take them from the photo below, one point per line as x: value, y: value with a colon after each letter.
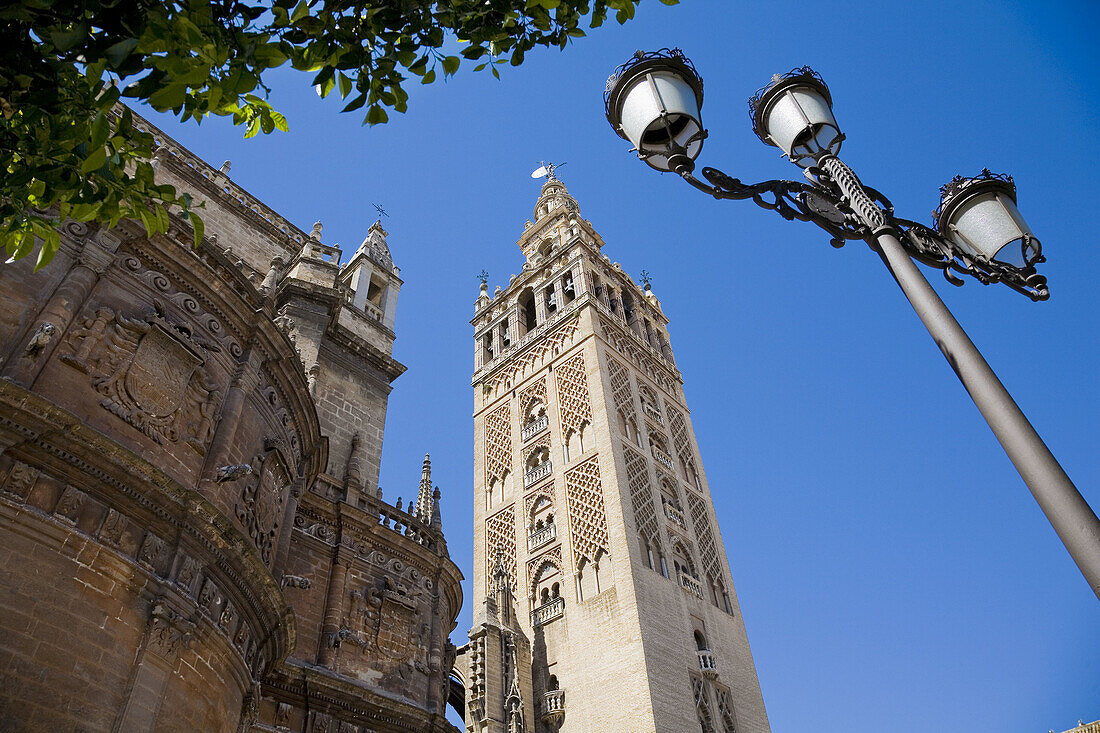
x: 39, y: 340
x: 500, y: 536
x: 584, y: 501
x: 260, y: 505
x: 68, y: 506
x: 617, y: 337
x: 708, y: 549
x: 232, y: 473
x: 534, y: 393
x: 294, y: 581
x: 150, y: 372
x: 546, y: 349
x: 620, y: 388
x: 168, y: 631
x: 386, y: 619
x: 21, y: 479
x: 113, y: 528
x: 152, y: 552
x: 189, y: 570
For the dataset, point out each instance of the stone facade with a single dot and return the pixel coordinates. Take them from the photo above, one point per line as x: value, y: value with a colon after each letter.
x: 591, y: 502
x: 191, y: 531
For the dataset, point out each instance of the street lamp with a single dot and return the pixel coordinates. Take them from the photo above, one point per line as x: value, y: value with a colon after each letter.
x: 654, y: 101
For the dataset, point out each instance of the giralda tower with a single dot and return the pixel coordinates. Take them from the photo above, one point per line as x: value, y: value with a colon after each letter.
x: 609, y: 605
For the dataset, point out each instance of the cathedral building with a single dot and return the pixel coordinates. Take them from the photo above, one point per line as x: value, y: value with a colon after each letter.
x: 605, y: 596
x: 192, y: 536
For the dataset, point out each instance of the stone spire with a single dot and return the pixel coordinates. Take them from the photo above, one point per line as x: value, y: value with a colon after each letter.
x: 422, y: 510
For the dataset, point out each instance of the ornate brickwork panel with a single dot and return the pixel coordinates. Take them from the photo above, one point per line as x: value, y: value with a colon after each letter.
x: 625, y: 345
x: 620, y: 388
x: 500, y: 534
x: 707, y: 547
x: 574, y: 405
x: 584, y: 501
x: 498, y: 444
x: 552, y: 556
x: 545, y: 490
x: 641, y: 495
x: 679, y: 434
x: 550, y: 346
x: 535, y: 392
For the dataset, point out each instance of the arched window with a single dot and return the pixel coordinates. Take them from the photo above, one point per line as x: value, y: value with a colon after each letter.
x: 527, y: 313
x: 646, y: 550
x: 701, y: 641
x: 537, y: 465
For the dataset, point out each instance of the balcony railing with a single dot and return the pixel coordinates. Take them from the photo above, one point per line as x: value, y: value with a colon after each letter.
x: 652, y: 411
x: 548, y: 611
x: 706, y: 663
x: 675, y: 515
x: 691, y: 585
x: 553, y: 706
x: 537, y: 473
x: 538, y: 538
x: 534, y: 427
x: 664, y: 459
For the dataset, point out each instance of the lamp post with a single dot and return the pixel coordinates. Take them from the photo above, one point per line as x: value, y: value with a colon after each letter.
x: 654, y: 101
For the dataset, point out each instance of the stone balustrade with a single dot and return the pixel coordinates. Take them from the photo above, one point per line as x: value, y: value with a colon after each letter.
x: 538, y: 538
x: 706, y: 663
x: 534, y: 427
x: 691, y: 585
x: 664, y: 459
x: 553, y: 706
x: 537, y: 473
x: 653, y: 412
x: 548, y: 611
x: 675, y: 515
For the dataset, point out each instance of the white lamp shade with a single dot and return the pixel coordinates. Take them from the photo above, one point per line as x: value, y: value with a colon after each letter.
x: 989, y: 225
x: 800, y: 122
x: 659, y: 110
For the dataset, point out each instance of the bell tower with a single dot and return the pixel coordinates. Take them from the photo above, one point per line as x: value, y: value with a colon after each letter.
x: 590, y: 496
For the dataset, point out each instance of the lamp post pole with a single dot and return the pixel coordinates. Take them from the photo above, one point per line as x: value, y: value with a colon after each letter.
x: 654, y: 99
x: 1068, y: 512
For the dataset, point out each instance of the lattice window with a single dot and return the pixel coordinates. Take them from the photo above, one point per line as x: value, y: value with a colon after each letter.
x: 641, y: 496
x: 536, y: 391
x: 679, y: 434
x: 584, y: 501
x: 725, y: 711
x: 498, y: 444
x: 500, y: 533
x: 620, y: 388
x: 573, y: 400
x: 702, y: 705
x: 707, y: 547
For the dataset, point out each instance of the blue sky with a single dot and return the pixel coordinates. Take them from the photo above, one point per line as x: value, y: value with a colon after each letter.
x: 893, y: 570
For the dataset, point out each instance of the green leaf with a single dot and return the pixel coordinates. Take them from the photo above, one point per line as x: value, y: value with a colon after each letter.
x: 100, y: 129
x: 301, y: 11
x: 94, y: 161
x: 376, y: 115
x: 345, y: 85
x: 450, y: 65
x: 429, y: 77
x: 168, y: 97
x: 117, y: 53
x: 196, y: 225
x: 280, y: 121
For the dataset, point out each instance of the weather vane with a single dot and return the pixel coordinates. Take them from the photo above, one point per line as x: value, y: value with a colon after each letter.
x: 546, y: 169
x: 645, y: 279
x: 483, y: 276
x: 379, y: 209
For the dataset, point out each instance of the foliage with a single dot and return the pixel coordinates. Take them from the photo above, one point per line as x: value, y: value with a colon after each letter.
x: 68, y: 149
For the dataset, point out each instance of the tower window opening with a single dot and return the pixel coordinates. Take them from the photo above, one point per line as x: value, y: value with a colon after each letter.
x: 505, y: 341
x: 567, y: 291
x: 487, y: 348
x: 376, y: 291
x: 628, y: 306
x: 551, y: 300
x: 527, y: 317
x: 701, y: 642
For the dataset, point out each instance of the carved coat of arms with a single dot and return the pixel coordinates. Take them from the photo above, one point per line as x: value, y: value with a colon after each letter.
x: 150, y: 372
